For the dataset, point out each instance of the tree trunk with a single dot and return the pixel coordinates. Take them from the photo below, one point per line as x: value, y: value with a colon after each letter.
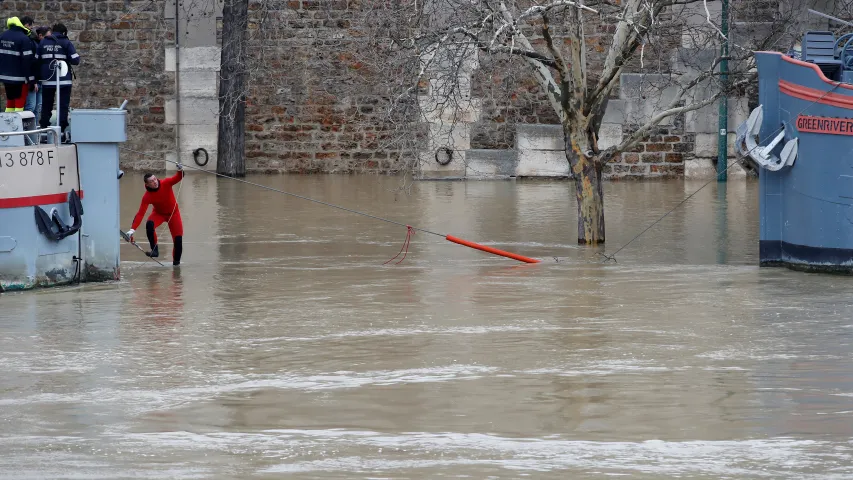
x: 590, y: 199
x: 231, y: 144
x: 586, y: 168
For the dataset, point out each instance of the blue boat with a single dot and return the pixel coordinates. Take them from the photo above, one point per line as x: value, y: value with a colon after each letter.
x: 801, y: 137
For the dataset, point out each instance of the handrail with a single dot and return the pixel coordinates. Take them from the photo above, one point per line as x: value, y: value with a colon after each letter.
x: 821, y: 14
x: 29, y: 132
x: 842, y: 38
x: 844, y: 53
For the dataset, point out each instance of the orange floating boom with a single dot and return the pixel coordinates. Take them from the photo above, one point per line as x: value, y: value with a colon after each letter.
x: 502, y: 253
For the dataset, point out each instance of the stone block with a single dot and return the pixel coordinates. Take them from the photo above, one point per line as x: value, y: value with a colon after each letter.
x: 695, y: 13
x: 615, y: 112
x: 736, y: 170
x: 194, y: 111
x: 542, y: 163
x: 539, y: 137
x: 199, y: 83
x: 738, y: 112
x: 610, y: 135
x: 169, y: 8
x: 437, y: 110
x: 694, y: 59
x: 699, y: 169
x: 707, y: 143
x: 707, y: 119
x: 695, y: 18
x: 455, y: 137
x: 195, y: 136
x: 706, y: 169
x: 646, y: 95
x: 748, y: 33
x: 430, y: 170
x: 490, y: 164
x: 199, y: 30
x: 194, y: 58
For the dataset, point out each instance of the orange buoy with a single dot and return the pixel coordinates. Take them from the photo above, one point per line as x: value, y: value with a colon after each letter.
x: 495, y: 251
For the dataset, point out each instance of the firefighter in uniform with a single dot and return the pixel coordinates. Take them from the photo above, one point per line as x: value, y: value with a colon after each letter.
x: 52, y: 48
x: 16, y: 64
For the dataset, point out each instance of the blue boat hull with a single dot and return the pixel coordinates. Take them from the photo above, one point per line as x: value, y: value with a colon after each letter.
x: 806, y: 208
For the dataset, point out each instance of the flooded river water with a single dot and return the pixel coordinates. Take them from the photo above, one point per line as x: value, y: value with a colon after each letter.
x: 284, y: 348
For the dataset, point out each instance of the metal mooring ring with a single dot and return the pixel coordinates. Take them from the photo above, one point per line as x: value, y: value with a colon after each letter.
x: 448, y: 153
x: 195, y: 157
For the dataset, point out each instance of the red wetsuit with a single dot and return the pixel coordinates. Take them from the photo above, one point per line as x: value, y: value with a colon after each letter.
x: 165, y: 207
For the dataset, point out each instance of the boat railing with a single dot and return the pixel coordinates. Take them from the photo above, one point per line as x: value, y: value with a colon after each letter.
x: 53, y: 131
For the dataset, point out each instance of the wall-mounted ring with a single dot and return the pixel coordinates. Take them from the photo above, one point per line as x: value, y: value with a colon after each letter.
x: 195, y: 157
x: 447, y: 153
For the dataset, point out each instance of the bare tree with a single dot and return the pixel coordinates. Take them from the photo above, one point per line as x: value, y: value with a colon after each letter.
x: 433, y: 45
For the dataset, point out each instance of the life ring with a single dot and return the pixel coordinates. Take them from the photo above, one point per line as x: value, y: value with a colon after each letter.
x: 448, y: 152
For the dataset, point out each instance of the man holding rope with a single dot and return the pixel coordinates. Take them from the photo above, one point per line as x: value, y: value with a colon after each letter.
x: 160, y: 196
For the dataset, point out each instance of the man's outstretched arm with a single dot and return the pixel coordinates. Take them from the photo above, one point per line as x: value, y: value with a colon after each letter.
x: 174, y: 178
x: 143, y: 206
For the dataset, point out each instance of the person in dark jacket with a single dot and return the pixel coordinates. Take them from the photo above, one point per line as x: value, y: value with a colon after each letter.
x: 34, y: 95
x: 53, y: 47
x: 16, y: 64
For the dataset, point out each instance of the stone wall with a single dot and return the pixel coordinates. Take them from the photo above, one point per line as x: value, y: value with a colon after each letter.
x: 313, y: 105
x: 660, y: 154
x: 308, y: 109
x: 120, y: 46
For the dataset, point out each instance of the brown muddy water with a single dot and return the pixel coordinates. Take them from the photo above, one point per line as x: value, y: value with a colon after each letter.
x: 283, y: 348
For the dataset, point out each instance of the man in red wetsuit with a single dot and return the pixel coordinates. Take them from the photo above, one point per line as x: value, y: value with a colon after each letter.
x: 162, y: 198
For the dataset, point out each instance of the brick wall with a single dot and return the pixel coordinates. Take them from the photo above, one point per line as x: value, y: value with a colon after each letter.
x: 120, y: 46
x: 661, y: 154
x: 313, y: 104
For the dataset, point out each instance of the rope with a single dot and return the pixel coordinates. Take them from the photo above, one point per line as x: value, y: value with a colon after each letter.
x: 612, y: 256
x: 180, y: 186
x: 410, y: 232
x: 265, y: 187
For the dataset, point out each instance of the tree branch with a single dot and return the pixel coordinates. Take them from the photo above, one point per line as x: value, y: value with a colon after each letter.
x: 544, y: 9
x: 633, y: 23
x: 512, y: 24
x: 637, y: 18
x: 540, y: 71
x: 532, y: 54
x: 673, y: 108
x: 563, y: 74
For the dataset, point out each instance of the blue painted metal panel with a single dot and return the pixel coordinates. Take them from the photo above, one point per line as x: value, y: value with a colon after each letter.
x: 96, y: 133
x: 769, y: 184
x: 99, y: 126
x: 98, y: 176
